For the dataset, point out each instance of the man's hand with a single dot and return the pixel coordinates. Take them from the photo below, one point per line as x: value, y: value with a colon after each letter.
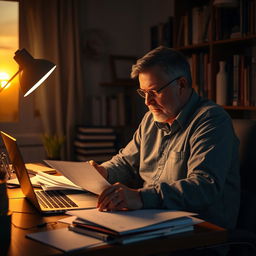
x: 119, y: 197
x: 99, y: 168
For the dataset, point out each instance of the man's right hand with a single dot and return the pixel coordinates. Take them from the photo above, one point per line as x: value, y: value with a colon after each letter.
x: 99, y: 168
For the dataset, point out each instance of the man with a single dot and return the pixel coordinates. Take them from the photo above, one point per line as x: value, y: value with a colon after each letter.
x: 183, y: 156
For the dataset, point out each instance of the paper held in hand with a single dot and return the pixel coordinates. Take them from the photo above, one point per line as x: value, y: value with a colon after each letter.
x: 82, y: 174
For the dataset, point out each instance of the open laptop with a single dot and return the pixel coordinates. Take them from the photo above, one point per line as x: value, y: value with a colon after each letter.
x: 47, y: 202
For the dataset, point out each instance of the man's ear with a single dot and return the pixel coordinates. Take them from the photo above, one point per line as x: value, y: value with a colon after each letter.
x: 183, y: 82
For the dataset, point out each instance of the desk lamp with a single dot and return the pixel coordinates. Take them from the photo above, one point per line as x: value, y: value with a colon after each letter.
x: 33, y: 73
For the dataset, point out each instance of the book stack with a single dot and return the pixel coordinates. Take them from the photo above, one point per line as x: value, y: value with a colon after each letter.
x: 131, y: 226
x: 95, y: 143
x: 193, y: 27
x: 112, y: 110
x: 162, y: 34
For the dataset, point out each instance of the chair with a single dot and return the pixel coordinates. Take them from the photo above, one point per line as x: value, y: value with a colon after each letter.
x: 242, y: 240
x: 245, y: 233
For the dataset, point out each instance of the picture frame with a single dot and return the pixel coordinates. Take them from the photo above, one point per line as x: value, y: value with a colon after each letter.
x: 121, y: 67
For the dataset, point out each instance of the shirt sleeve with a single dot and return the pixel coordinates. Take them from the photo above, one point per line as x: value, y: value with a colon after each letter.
x: 212, y: 143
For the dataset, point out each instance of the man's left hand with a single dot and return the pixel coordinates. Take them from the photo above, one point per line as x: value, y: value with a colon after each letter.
x: 119, y: 197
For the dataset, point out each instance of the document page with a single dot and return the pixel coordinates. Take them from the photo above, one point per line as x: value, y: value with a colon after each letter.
x: 82, y: 174
x: 126, y: 222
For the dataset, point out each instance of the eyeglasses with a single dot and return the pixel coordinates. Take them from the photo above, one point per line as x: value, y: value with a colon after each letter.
x: 154, y: 93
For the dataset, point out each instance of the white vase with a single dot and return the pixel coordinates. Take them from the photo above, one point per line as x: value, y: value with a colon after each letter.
x: 221, y: 84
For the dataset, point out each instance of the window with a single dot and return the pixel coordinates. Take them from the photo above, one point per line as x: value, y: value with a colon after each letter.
x: 9, y: 43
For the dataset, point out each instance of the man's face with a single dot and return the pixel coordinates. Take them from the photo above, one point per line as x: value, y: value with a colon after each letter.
x: 166, y: 104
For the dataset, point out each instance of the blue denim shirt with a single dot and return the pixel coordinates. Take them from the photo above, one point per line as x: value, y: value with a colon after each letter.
x: 192, y: 165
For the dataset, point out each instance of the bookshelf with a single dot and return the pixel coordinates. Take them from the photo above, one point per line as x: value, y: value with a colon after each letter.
x: 207, y: 34
x: 118, y: 107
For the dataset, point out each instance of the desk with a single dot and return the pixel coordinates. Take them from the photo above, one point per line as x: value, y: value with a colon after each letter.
x: 203, y: 235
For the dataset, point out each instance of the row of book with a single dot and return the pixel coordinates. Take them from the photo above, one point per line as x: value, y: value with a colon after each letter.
x: 95, y: 143
x: 201, y: 74
x: 235, y: 22
x: 194, y: 26
x: 114, y: 110
x: 162, y: 34
x: 241, y: 77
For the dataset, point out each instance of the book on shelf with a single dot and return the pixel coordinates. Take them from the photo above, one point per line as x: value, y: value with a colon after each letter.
x: 99, y: 158
x: 96, y: 106
x: 200, y: 71
x: 236, y: 21
x: 236, y: 60
x: 112, y: 110
x: 253, y: 81
x: 95, y: 143
x: 162, y: 34
x: 95, y: 129
x: 196, y: 25
x: 130, y: 226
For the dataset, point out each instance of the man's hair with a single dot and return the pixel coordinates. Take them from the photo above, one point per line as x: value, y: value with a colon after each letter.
x: 173, y: 62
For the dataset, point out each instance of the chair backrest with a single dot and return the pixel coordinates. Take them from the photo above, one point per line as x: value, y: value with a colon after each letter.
x: 245, y: 130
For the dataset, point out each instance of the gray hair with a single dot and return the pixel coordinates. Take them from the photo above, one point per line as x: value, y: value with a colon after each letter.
x: 173, y: 62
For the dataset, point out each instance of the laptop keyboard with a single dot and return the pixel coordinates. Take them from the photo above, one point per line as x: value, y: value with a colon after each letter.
x: 54, y: 199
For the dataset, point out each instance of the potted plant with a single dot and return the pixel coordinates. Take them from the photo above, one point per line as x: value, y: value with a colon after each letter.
x: 53, y: 145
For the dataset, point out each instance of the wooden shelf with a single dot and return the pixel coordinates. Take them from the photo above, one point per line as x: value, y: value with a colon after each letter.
x: 234, y: 40
x: 130, y: 83
x: 249, y: 108
x: 205, y: 56
x: 194, y: 47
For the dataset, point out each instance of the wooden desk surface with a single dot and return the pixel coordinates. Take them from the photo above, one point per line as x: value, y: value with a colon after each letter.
x: 24, y: 215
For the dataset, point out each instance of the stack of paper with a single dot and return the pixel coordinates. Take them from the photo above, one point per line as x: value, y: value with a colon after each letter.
x: 51, y: 182
x: 130, y: 226
x: 76, y: 175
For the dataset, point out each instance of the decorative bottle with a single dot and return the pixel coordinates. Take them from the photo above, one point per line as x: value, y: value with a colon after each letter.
x: 221, y: 84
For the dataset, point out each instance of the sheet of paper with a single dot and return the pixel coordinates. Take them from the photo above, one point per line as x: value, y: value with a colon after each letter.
x: 55, y: 180
x: 82, y: 174
x: 33, y: 180
x: 65, y: 240
x: 125, y: 222
x: 67, y: 220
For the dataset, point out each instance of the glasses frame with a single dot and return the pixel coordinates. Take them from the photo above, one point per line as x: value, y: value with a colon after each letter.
x: 153, y: 93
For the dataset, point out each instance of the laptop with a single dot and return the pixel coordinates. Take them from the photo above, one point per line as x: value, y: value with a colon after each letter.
x: 47, y: 202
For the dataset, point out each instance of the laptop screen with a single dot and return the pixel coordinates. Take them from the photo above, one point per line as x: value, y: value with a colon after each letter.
x: 18, y: 164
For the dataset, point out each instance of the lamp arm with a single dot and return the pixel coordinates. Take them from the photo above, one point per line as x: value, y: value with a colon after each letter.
x: 2, y: 88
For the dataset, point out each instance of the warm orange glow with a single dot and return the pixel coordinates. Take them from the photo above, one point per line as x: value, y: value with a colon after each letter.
x: 4, y: 77
x: 9, y: 43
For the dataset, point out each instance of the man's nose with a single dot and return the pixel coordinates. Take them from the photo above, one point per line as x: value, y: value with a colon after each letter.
x: 148, y: 99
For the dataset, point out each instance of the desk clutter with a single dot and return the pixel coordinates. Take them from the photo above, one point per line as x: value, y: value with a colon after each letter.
x: 89, y: 228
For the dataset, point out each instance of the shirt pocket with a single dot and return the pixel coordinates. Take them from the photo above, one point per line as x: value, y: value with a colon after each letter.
x: 176, y: 165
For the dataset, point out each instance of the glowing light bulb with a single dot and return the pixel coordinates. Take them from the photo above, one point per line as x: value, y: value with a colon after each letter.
x: 4, y: 78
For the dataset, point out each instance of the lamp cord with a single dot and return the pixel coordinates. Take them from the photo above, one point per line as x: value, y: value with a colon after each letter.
x: 40, y: 225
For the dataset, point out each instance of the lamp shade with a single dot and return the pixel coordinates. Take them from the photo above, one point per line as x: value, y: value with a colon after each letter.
x: 33, y: 71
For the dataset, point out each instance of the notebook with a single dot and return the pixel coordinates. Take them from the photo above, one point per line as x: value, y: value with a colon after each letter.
x: 47, y: 202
